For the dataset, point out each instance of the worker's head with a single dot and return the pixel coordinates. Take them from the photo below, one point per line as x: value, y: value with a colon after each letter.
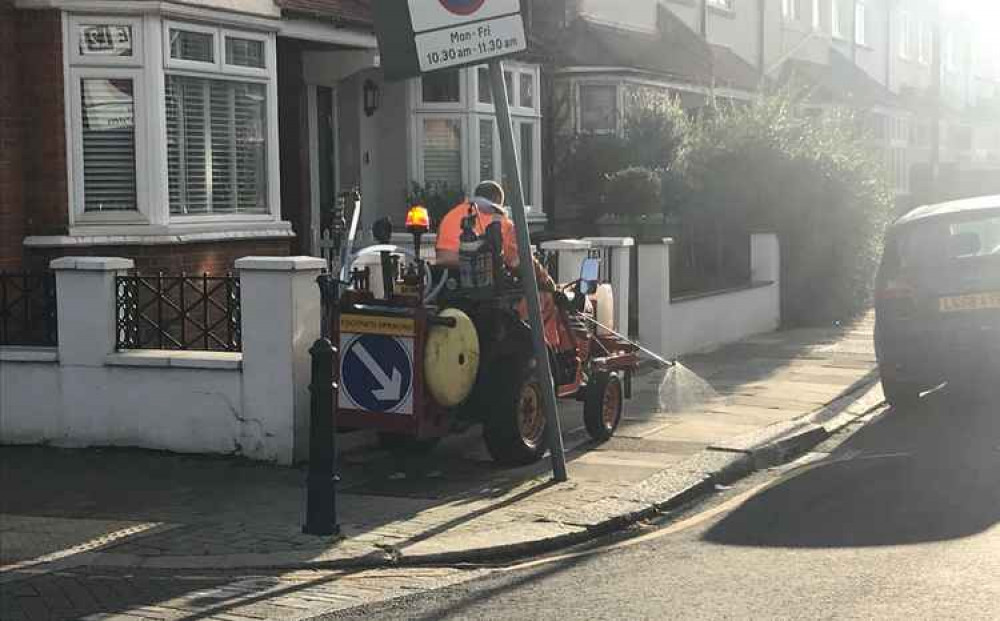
x: 491, y: 191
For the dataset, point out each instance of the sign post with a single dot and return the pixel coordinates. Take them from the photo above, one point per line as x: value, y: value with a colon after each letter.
x: 421, y: 36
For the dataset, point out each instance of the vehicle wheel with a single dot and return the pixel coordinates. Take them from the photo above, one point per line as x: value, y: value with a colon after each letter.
x: 401, y: 443
x: 514, y: 430
x: 899, y: 393
x: 603, y: 406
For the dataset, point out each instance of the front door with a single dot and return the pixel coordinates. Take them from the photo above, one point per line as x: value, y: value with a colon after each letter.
x: 323, y: 160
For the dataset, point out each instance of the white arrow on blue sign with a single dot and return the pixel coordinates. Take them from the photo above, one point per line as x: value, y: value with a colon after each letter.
x: 377, y: 373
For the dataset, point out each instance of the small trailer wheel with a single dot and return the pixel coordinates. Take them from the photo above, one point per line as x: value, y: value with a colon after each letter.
x: 603, y: 405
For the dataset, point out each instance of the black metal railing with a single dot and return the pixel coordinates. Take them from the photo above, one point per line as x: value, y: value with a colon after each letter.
x: 200, y: 313
x: 28, y: 309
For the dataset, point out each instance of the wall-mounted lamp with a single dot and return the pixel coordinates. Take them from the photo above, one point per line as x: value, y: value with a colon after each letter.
x: 372, y: 97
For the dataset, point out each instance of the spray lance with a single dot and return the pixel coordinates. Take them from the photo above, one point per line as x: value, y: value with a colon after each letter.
x: 664, y: 363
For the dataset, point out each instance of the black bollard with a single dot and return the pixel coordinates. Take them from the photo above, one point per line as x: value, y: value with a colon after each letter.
x: 321, y: 494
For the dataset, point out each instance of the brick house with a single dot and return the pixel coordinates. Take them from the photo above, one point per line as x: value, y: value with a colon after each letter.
x: 187, y: 134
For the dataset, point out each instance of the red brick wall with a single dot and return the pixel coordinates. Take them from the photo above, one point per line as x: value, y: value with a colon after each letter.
x: 212, y: 257
x: 44, y: 147
x: 11, y: 129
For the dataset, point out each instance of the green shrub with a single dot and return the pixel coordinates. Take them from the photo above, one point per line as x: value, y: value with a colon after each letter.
x: 654, y: 130
x: 634, y: 191
x: 771, y: 166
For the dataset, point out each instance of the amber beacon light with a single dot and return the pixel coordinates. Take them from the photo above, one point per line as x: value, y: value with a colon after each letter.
x: 418, y: 221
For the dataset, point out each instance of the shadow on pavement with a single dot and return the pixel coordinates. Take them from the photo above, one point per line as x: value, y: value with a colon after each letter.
x: 923, y: 474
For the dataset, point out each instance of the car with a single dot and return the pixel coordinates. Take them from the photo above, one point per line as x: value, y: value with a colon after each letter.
x: 937, y: 298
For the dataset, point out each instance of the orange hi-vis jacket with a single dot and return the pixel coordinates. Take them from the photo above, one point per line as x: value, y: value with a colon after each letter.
x: 449, y: 239
x: 450, y: 230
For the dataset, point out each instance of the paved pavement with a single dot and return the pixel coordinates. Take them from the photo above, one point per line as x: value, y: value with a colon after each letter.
x: 146, y: 533
x: 900, y: 521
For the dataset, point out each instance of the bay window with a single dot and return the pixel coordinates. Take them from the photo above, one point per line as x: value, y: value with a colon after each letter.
x: 169, y: 122
x: 457, y: 140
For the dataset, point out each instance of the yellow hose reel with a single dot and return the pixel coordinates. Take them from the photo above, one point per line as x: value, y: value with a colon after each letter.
x: 451, y: 359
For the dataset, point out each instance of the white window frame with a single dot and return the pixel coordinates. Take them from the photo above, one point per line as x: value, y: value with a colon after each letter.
x: 950, y: 53
x: 817, y: 15
x: 471, y: 111
x: 905, y: 35
x: 260, y: 72
x: 463, y: 143
x: 791, y: 11
x: 75, y: 22
x: 442, y: 106
x: 536, y: 154
x: 219, y: 70
x: 148, y: 69
x: 141, y: 214
x: 516, y: 109
x: 193, y: 65
x: 860, y: 23
x: 477, y: 150
x: 835, y: 26
x: 925, y: 43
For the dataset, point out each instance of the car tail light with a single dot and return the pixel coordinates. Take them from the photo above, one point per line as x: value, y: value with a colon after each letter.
x: 896, y: 298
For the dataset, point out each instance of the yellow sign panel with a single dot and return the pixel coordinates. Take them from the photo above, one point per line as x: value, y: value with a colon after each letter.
x: 374, y: 324
x: 974, y: 301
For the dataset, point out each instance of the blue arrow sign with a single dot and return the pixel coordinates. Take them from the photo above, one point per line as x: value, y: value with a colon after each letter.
x: 377, y: 372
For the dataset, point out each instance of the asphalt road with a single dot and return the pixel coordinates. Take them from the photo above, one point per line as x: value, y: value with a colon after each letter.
x: 900, y: 521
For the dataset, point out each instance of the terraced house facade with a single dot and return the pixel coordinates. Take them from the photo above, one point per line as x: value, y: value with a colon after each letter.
x: 188, y: 134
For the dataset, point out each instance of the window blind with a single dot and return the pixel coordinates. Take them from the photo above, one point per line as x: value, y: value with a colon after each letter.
x: 443, y: 152
x: 216, y: 146
x: 108, y: 140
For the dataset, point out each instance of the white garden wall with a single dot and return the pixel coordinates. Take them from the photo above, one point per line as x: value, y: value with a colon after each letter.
x: 680, y: 326
x: 84, y: 393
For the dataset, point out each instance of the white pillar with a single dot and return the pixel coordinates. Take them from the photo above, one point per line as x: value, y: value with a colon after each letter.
x: 570, y: 256
x: 654, y: 296
x: 765, y: 266
x: 621, y: 275
x: 281, y: 314
x: 85, y: 302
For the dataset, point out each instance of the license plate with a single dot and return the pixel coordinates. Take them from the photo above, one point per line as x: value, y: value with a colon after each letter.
x: 969, y: 302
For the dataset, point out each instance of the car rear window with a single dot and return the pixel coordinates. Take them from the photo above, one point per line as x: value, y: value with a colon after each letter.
x: 938, y: 242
